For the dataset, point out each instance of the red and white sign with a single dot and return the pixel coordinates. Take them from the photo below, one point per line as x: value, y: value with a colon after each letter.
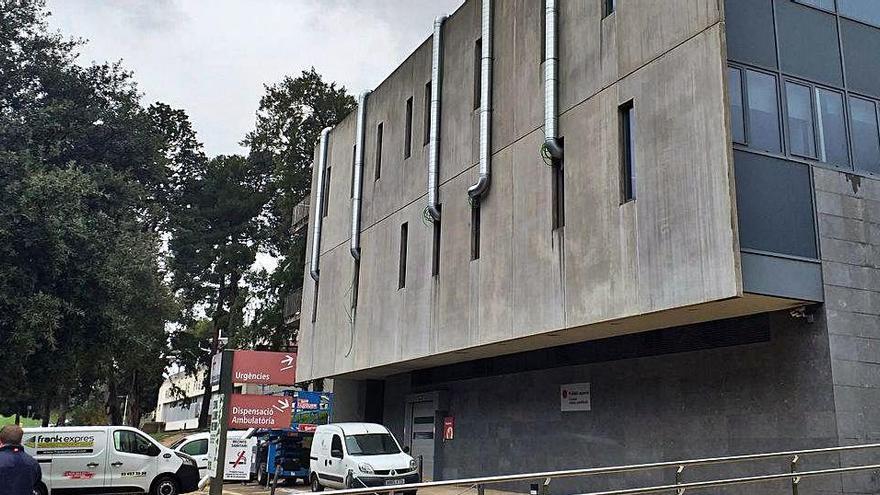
x: 448, y: 428
x: 259, y: 411
x: 264, y: 368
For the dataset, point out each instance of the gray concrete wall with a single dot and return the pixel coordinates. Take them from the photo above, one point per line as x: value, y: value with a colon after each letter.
x: 675, y: 246
x: 849, y: 231
x: 767, y: 396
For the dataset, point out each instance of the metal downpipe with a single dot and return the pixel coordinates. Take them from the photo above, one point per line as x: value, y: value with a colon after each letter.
x: 315, y: 265
x: 551, y: 82
x: 358, y: 177
x: 434, y: 138
x: 479, y: 189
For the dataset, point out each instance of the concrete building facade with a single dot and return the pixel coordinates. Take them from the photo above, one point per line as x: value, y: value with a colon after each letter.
x: 704, y: 260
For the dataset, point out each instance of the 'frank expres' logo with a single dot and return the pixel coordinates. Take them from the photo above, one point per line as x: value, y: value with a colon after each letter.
x: 59, y: 444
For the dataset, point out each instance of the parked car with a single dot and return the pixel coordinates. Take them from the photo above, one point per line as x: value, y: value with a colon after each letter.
x: 108, y: 459
x: 355, y: 455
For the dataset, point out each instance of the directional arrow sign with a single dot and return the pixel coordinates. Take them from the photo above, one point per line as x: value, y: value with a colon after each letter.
x: 264, y: 368
x: 259, y: 411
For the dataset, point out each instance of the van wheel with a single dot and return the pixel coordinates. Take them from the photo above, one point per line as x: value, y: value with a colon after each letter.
x: 262, y: 475
x: 41, y: 490
x: 316, y: 484
x: 165, y: 486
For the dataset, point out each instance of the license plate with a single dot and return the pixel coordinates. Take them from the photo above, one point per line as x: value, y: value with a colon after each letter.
x: 394, y: 482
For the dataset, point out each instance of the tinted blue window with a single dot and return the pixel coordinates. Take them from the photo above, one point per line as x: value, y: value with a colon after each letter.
x: 763, y: 111
x: 832, y: 127
x: 800, y: 119
x: 737, y: 123
x: 862, y: 10
x: 865, y: 135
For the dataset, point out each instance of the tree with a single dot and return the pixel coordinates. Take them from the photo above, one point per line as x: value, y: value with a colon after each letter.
x: 290, y: 118
x: 216, y: 232
x: 86, y: 173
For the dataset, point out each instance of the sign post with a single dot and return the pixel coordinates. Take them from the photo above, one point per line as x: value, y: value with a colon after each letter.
x: 223, y: 417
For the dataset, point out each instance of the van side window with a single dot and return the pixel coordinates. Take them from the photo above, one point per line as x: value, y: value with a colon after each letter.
x: 336, y: 447
x: 197, y: 447
x: 131, y: 443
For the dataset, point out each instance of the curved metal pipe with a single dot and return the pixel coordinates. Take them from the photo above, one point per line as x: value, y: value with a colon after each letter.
x: 315, y: 264
x: 479, y: 189
x: 551, y: 81
x: 358, y: 177
x: 434, y: 143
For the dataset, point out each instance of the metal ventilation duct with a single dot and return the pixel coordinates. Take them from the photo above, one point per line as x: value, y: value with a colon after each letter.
x: 315, y: 265
x: 358, y: 177
x: 434, y: 138
x: 482, y: 185
x: 551, y: 81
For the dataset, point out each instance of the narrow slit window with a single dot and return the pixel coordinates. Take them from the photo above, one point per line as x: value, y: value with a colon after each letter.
x: 435, y: 258
x: 378, y: 170
x: 401, y: 273
x: 800, y: 120
x: 832, y: 127
x: 427, y: 122
x: 737, y: 115
x: 407, y: 138
x: 315, y: 302
x: 608, y: 7
x: 763, y: 111
x: 478, y: 73
x: 326, y: 192
x: 865, y: 135
x: 627, y: 152
x: 475, y: 232
x: 558, y: 197
x: 355, y: 286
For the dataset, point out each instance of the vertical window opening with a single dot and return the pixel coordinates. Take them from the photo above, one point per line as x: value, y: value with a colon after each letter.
x: 407, y: 138
x: 627, y: 149
x: 478, y: 73
x: 832, y: 127
x: 800, y: 120
x: 435, y: 258
x: 378, y: 169
x: 401, y: 277
x: 427, y: 123
x: 326, y: 192
x: 475, y: 232
x: 737, y: 113
x: 865, y: 135
x: 315, y: 302
x: 608, y: 7
x: 355, y: 286
x: 558, y: 195
x: 763, y: 111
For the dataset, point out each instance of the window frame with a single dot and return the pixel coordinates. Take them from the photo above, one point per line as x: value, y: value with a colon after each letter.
x: 427, y: 117
x: 202, y: 442
x: 478, y: 73
x: 786, y: 118
x: 326, y: 193
x: 851, y: 134
x: 402, y: 254
x: 820, y: 145
x: 117, y: 438
x: 742, y: 103
x: 780, y: 108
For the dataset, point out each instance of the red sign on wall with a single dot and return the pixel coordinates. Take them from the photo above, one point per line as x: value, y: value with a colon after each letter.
x: 264, y: 368
x: 448, y: 428
x: 259, y: 411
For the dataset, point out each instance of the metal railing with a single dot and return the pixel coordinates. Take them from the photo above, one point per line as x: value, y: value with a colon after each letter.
x: 679, y: 486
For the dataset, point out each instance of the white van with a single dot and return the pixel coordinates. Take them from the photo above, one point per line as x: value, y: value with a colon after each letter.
x: 357, y: 455
x: 108, y: 459
x: 196, y: 446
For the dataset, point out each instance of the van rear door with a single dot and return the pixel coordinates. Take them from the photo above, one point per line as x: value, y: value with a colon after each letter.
x: 134, y: 460
x: 70, y: 459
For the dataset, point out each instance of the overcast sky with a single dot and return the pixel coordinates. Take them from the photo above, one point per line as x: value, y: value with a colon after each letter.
x: 212, y: 57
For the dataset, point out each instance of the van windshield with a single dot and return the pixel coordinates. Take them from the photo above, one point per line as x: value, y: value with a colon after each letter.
x: 371, y: 444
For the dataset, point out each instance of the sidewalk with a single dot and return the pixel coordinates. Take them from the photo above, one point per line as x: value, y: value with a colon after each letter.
x: 254, y: 489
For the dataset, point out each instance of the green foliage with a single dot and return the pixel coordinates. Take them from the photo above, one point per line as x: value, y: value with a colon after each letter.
x: 86, y: 173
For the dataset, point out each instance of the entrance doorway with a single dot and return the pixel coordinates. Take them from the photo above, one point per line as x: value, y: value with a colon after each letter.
x: 422, y: 416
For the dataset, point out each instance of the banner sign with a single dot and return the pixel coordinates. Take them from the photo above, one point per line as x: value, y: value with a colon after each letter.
x: 259, y: 411
x: 310, y: 410
x: 264, y: 368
